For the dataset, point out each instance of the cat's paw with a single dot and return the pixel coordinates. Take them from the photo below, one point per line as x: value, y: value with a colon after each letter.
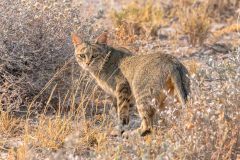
x: 115, y: 133
x: 136, y: 133
x: 145, y: 132
x: 129, y: 134
x: 119, y: 130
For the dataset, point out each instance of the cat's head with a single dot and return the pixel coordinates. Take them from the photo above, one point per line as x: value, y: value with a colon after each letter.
x: 91, y: 56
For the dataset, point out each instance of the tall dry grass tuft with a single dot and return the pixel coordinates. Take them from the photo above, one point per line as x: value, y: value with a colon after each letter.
x: 8, y: 123
x: 147, y: 13
x: 51, y: 132
x: 137, y: 19
x: 195, y: 23
x: 20, y: 153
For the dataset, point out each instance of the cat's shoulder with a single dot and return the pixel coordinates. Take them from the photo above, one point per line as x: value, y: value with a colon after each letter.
x: 123, y: 50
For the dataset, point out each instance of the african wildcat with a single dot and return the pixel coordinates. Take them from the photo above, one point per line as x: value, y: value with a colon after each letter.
x: 125, y: 76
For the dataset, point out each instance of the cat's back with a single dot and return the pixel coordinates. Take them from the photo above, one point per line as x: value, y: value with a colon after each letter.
x: 150, y: 64
x: 148, y: 60
x: 142, y: 60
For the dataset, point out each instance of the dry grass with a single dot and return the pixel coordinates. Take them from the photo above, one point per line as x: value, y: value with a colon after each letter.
x: 20, y: 153
x: 8, y: 123
x: 51, y: 132
x: 147, y: 13
x: 207, y: 128
x: 70, y: 118
x: 228, y: 29
x: 34, y: 46
x: 195, y: 24
x: 221, y: 10
x: 137, y: 19
x: 193, y: 66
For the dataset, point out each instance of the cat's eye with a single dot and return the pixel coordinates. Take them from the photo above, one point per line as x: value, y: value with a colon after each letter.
x: 94, y: 56
x: 82, y: 56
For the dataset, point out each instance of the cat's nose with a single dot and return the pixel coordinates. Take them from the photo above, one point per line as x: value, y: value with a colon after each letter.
x: 87, y: 63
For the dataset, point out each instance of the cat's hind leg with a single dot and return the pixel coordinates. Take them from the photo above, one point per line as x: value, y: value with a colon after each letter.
x: 146, y: 110
x: 123, y: 104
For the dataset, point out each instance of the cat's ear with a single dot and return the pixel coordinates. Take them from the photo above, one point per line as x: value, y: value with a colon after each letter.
x: 102, y: 39
x: 76, y: 40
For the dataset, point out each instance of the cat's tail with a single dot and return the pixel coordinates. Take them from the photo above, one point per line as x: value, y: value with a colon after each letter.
x: 181, y: 83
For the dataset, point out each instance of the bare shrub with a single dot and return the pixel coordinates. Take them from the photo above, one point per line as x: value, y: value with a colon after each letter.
x: 35, y: 43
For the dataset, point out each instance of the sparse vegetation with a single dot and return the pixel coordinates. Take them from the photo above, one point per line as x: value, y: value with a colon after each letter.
x: 8, y: 123
x: 147, y: 13
x: 194, y: 23
x: 50, y: 109
x: 138, y: 19
x: 51, y: 132
x: 228, y: 29
x: 221, y: 10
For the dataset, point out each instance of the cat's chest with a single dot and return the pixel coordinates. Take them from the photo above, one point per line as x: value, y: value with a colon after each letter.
x: 106, y: 84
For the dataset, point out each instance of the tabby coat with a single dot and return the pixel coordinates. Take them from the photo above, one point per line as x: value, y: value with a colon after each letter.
x: 141, y: 78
